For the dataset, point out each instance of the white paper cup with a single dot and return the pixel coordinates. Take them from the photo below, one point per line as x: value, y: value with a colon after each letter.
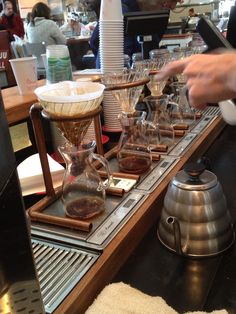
x: 111, y: 10
x: 25, y: 72
x: 44, y: 58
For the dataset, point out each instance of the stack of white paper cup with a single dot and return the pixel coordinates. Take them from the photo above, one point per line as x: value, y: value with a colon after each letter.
x: 111, y: 32
x: 25, y: 72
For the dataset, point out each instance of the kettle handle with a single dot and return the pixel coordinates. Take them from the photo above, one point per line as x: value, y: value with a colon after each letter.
x: 171, y: 220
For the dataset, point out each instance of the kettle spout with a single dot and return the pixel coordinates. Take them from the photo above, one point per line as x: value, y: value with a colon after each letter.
x: 177, y: 235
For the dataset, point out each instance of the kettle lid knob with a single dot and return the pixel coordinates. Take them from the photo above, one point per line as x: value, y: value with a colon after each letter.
x: 194, y: 170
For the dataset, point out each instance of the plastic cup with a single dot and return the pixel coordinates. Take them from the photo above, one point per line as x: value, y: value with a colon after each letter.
x: 111, y: 10
x: 58, y: 64
x: 25, y: 72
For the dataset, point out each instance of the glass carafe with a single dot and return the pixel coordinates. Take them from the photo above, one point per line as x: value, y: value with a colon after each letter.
x: 158, y: 114
x: 133, y: 149
x: 183, y: 112
x: 83, y: 191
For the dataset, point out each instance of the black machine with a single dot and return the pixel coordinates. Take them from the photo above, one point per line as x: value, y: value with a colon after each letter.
x: 19, y: 287
x: 211, y: 35
x: 214, y: 40
x: 146, y: 25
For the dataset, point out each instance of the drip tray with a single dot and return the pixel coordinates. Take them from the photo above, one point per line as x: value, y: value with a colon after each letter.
x: 59, y: 269
x: 104, y: 226
x: 118, y: 211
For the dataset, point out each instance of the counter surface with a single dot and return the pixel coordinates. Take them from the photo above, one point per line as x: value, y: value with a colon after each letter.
x: 161, y: 270
x: 191, y: 284
x: 17, y: 106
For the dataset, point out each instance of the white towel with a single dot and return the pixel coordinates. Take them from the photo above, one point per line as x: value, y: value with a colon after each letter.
x: 119, y: 298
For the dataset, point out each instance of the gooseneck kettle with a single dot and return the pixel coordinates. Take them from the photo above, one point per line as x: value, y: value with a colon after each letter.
x: 195, y: 220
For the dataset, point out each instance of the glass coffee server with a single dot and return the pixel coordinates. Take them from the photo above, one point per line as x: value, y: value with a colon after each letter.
x: 72, y: 106
x: 181, y: 111
x: 133, y: 151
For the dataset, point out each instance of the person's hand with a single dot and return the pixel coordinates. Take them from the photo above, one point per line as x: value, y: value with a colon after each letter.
x: 210, y: 78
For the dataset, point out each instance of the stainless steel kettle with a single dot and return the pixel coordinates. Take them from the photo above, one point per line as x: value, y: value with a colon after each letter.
x: 195, y: 220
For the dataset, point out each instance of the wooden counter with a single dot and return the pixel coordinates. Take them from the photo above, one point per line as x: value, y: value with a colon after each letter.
x: 121, y: 247
x: 17, y: 106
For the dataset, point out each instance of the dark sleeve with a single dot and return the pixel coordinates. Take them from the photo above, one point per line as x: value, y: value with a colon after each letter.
x: 94, y: 40
x: 231, y: 29
x: 2, y: 27
x: 18, y: 28
x: 131, y: 44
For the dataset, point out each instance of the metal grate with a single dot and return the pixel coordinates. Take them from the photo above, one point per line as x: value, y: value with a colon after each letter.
x: 59, y: 269
x: 211, y: 111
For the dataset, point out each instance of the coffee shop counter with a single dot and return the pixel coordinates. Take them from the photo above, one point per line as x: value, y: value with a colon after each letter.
x: 165, y: 272
x: 189, y: 284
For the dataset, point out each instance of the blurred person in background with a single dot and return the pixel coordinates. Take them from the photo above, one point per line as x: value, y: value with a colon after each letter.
x: 191, y: 13
x: 210, y: 77
x: 72, y: 26
x: 222, y: 25
x: 11, y: 21
x: 131, y: 44
x: 42, y: 28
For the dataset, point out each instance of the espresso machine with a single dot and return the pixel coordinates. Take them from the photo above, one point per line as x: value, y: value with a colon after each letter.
x: 19, y: 286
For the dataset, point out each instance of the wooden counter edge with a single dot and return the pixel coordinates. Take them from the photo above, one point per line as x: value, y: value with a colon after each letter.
x: 17, y: 106
x: 120, y: 248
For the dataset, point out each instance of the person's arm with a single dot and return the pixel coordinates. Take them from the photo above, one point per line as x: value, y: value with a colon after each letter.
x: 131, y: 44
x: 210, y: 78
x: 94, y: 40
x: 18, y: 27
x: 57, y: 34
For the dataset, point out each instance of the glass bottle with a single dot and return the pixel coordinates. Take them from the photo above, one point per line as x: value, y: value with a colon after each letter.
x: 133, y: 148
x: 83, y: 191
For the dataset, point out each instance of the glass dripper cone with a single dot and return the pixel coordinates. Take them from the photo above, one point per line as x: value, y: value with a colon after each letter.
x: 180, y: 53
x: 153, y: 66
x: 74, y: 131
x: 126, y: 87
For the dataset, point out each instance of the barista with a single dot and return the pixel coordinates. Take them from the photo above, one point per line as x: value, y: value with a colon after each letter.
x: 191, y: 13
x: 210, y: 78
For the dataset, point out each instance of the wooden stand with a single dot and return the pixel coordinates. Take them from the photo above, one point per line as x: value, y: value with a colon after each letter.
x: 36, y: 211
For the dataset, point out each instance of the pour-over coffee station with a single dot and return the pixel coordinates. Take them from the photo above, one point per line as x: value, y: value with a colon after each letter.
x: 154, y: 210
x: 77, y: 257
x: 99, y: 230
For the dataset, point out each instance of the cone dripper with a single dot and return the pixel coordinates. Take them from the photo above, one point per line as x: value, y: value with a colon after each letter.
x: 126, y: 87
x: 153, y: 66
x: 74, y: 131
x: 72, y: 105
